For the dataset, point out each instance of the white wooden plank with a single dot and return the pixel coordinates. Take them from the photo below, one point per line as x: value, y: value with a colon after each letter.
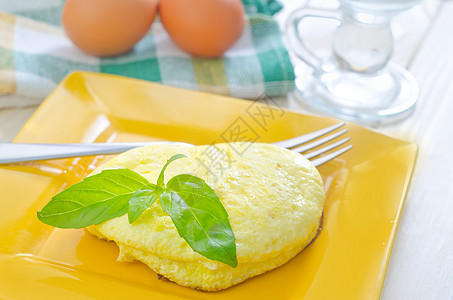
x: 422, y: 262
x: 12, y: 120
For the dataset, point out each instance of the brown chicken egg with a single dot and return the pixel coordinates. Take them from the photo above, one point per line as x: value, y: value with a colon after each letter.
x: 107, y: 27
x: 204, y: 28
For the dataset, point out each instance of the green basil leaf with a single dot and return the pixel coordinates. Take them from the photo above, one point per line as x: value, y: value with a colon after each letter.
x: 194, y: 207
x: 160, y: 180
x: 200, y: 218
x: 94, y: 200
x: 141, y: 200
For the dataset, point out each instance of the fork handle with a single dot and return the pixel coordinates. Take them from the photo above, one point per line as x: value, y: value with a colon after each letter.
x: 21, y: 152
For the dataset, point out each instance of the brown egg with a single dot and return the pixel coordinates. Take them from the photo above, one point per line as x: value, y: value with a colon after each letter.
x: 205, y: 28
x: 107, y: 27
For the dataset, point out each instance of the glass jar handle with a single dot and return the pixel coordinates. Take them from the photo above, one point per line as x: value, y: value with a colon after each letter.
x: 296, y: 43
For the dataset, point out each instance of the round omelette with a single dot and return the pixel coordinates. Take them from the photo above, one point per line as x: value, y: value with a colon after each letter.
x: 274, y: 198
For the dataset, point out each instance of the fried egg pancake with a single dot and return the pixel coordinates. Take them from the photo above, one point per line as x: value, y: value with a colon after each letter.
x: 274, y: 198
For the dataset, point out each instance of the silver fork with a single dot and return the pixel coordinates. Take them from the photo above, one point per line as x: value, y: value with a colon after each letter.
x: 21, y: 152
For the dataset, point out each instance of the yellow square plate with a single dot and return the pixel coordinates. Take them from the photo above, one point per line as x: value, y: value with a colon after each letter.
x: 365, y: 191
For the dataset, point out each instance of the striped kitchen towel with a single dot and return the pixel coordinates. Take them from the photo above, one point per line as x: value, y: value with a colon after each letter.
x: 35, y: 55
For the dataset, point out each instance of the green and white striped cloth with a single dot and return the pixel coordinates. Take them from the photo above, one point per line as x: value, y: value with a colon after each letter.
x: 35, y: 55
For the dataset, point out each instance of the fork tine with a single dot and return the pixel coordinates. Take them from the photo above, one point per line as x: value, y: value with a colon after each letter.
x: 320, y: 151
x: 289, y: 143
x: 323, y: 159
x: 318, y: 142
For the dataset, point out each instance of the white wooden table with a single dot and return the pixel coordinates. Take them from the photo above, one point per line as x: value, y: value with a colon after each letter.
x: 421, y: 266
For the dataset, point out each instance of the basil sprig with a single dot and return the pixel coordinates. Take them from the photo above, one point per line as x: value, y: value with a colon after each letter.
x: 195, y: 209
